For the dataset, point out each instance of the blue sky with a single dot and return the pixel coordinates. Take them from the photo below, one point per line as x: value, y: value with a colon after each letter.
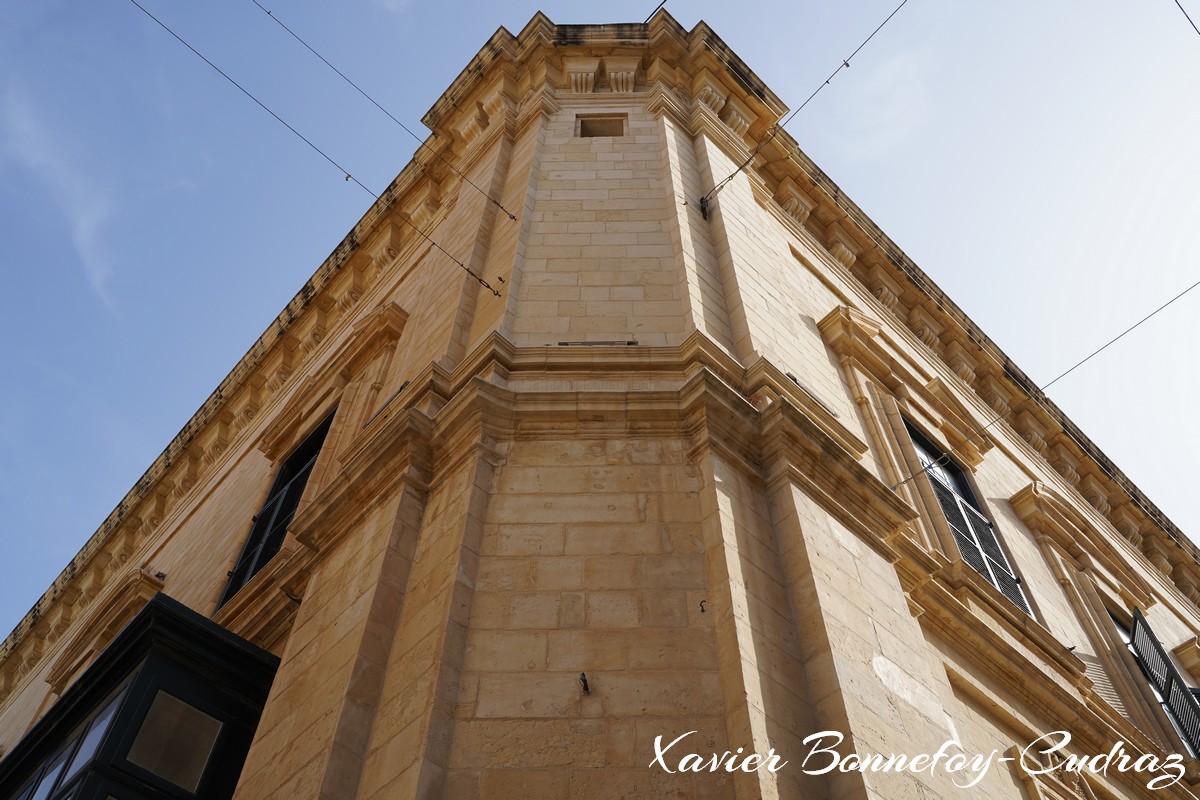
x: 1037, y: 160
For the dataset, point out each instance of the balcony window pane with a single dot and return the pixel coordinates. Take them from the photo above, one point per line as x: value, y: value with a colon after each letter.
x: 50, y: 775
x: 175, y: 741
x: 91, y: 740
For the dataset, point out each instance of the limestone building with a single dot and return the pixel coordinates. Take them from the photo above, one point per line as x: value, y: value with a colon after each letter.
x: 665, y: 484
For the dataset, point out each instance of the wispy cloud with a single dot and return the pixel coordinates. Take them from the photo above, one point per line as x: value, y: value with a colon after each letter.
x: 84, y: 202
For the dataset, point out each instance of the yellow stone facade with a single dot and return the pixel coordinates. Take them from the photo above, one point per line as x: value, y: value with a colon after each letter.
x: 671, y: 455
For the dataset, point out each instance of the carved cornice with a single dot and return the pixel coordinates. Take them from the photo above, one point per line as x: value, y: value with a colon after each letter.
x: 667, y: 101
x: 796, y: 448
x: 865, y: 344
x: 263, y: 610
x: 397, y: 452
x: 114, y: 609
x: 1045, y: 511
x: 536, y: 106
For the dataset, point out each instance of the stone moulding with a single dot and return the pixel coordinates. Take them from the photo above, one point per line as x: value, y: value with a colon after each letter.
x: 977, y: 621
x: 119, y: 604
x: 399, y: 452
x: 865, y: 344
x: 1092, y: 733
x: 1045, y: 511
x: 484, y: 401
x: 263, y: 610
x: 796, y: 448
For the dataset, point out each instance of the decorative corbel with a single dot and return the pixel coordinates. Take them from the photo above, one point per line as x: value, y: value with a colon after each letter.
x: 282, y: 362
x: 1127, y: 523
x: 1064, y: 462
x: 1185, y: 581
x: 709, y: 92
x: 385, y: 245
x: 885, y: 288
x: 352, y: 287
x: 736, y: 115
x: 794, y: 200
x: 622, y: 72
x: 995, y: 395
x: 1093, y: 490
x: 841, y: 245
x: 322, y: 306
x: 1032, y: 431
x: 960, y: 360
x: 1157, y: 554
x: 187, y: 473
x: 581, y: 73
x: 160, y: 505
x: 223, y: 432
x: 926, y: 327
x: 251, y: 397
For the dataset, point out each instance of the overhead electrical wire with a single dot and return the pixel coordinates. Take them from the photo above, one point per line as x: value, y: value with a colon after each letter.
x: 777, y: 127
x: 920, y: 281
x: 655, y: 11
x: 406, y: 129
x: 766, y: 139
x: 322, y: 153
x: 1041, y: 389
x: 1189, y: 18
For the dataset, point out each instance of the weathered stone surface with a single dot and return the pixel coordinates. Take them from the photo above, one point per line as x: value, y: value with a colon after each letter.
x: 671, y: 460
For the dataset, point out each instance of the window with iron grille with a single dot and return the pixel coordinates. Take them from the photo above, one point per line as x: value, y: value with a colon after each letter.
x: 1175, y: 696
x: 974, y: 534
x: 271, y: 522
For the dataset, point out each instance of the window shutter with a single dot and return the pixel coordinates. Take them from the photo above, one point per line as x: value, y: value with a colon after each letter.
x: 1176, y: 695
x: 1003, y: 575
x: 1102, y: 683
x: 961, y: 529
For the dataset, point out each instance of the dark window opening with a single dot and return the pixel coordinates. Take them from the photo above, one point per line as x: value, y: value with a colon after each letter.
x: 271, y: 522
x: 976, y: 539
x: 606, y: 125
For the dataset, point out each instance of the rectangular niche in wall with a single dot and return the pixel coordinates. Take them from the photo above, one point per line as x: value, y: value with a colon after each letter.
x: 590, y: 125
